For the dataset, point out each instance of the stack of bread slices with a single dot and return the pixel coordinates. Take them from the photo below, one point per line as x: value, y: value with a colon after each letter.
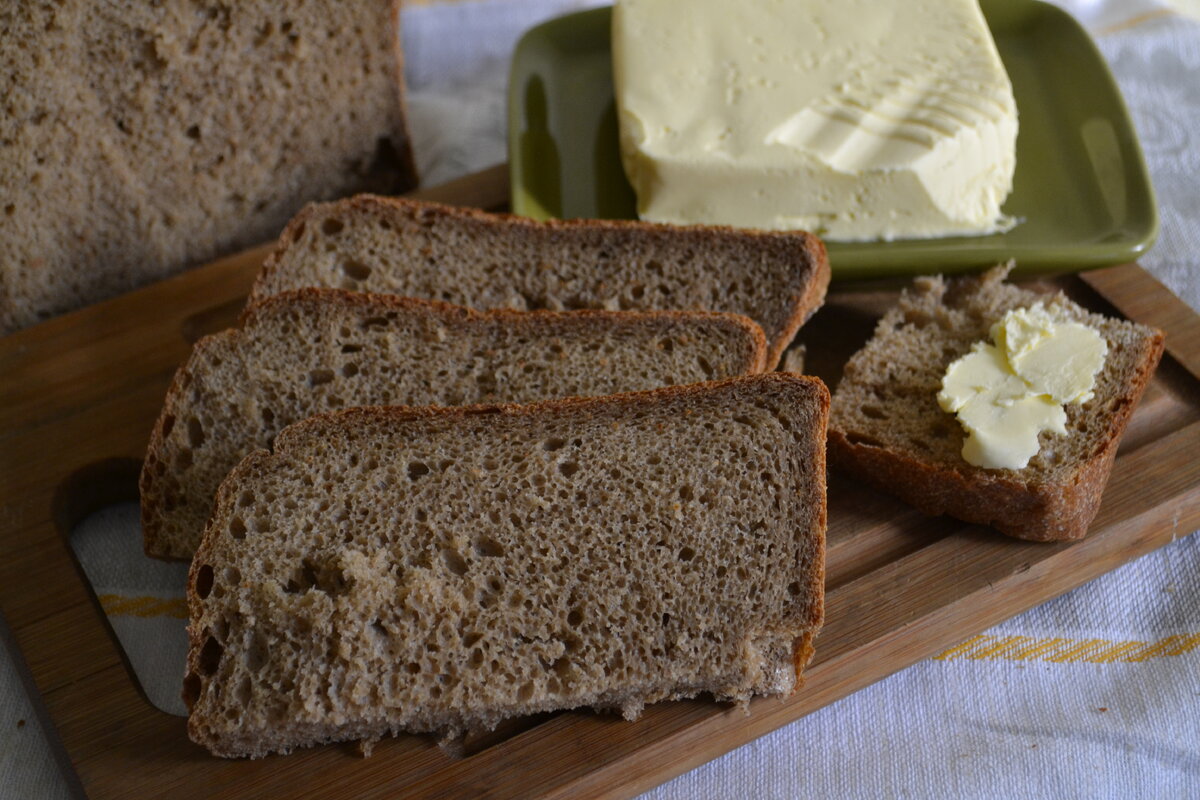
x: 454, y: 467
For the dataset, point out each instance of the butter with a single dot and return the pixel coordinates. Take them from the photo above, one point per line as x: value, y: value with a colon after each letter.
x: 853, y: 119
x: 1007, y: 393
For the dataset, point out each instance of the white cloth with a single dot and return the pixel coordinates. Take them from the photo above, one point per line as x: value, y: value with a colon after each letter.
x: 1095, y: 694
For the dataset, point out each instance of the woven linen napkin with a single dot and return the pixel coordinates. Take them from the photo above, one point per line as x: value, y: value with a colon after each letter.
x: 1095, y: 694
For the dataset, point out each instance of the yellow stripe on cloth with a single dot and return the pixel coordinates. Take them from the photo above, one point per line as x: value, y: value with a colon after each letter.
x: 116, y: 605
x: 1057, y: 650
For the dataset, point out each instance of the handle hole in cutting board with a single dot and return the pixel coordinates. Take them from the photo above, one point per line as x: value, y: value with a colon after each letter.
x: 96, y: 510
x: 93, y: 487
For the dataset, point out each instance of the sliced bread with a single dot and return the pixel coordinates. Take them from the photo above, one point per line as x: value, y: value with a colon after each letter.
x: 887, y: 428
x: 138, y: 139
x: 304, y: 352
x: 439, y: 570
x: 484, y: 260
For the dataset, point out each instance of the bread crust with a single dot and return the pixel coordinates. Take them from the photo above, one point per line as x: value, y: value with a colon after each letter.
x: 409, y: 176
x: 312, y: 296
x: 806, y: 295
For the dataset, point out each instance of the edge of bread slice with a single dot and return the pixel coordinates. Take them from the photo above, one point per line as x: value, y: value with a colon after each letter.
x: 887, y: 428
x: 441, y: 569
x: 313, y: 350
x: 484, y: 260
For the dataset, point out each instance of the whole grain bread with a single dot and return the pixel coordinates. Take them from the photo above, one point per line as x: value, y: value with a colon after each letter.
x: 313, y: 350
x: 887, y: 428
x: 484, y: 260
x: 439, y: 570
x: 138, y: 139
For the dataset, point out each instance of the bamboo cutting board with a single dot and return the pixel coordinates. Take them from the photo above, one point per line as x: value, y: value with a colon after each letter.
x: 77, y: 400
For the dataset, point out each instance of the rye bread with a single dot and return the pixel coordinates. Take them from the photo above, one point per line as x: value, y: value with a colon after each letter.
x: 887, y: 428
x: 314, y: 350
x: 439, y: 570
x: 482, y: 260
x: 138, y: 139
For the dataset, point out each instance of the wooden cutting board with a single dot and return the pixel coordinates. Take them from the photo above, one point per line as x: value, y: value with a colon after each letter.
x: 79, y: 394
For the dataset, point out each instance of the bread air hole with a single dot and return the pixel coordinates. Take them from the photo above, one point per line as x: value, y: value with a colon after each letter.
x: 210, y: 656
x: 356, y: 270
x: 256, y: 655
x: 487, y: 547
x: 454, y: 561
x: 874, y: 412
x: 192, y: 686
x: 863, y: 439
x: 317, y: 377
x: 237, y: 528
x: 167, y: 424
x: 204, y: 581
x: 332, y: 226
x: 417, y: 469
x: 311, y: 575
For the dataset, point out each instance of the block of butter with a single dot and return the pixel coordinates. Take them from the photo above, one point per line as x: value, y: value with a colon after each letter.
x: 853, y: 119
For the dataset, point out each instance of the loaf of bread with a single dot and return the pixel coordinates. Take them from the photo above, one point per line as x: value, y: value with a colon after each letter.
x: 137, y: 139
x: 887, y: 428
x: 439, y: 570
x: 313, y: 350
x: 484, y: 260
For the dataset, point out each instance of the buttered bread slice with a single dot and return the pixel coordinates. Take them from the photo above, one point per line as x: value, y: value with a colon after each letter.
x: 888, y: 429
x: 388, y: 570
x: 301, y: 353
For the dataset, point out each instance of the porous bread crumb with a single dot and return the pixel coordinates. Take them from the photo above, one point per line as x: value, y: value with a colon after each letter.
x: 438, y: 570
x: 304, y: 352
x: 482, y: 260
x: 142, y: 138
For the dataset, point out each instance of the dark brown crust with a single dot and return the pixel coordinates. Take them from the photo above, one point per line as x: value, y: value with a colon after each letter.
x: 805, y: 298
x: 389, y: 302
x: 1042, y: 512
x: 408, y: 178
x: 560, y: 406
x: 154, y: 481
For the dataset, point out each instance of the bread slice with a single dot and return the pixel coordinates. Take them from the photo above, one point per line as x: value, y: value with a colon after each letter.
x: 484, y: 260
x: 143, y: 138
x: 439, y: 570
x: 887, y: 428
x: 304, y: 352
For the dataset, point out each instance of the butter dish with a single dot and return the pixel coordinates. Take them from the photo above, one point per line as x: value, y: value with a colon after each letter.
x: 1081, y: 193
